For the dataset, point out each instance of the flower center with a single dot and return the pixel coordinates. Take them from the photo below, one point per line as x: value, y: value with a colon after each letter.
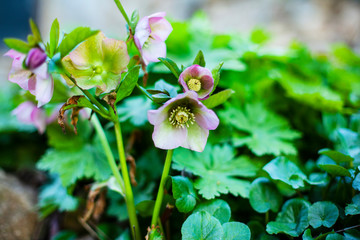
x: 98, y: 70
x: 181, y: 116
x: 194, y: 84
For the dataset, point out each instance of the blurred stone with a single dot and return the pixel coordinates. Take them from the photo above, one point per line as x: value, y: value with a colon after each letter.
x: 18, y: 217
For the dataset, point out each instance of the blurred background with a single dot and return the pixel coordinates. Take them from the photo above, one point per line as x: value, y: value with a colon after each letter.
x: 317, y: 23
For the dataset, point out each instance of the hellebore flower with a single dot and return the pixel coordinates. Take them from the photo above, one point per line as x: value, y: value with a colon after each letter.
x: 182, y: 121
x: 28, y: 113
x: 97, y: 62
x: 198, y: 79
x: 34, y: 77
x: 150, y: 35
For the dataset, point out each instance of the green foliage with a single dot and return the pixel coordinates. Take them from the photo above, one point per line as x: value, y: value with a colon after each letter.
x: 128, y: 84
x: 172, y: 66
x: 264, y: 196
x: 75, y: 37
x: 217, y: 208
x: 183, y: 193
x: 218, y: 98
x: 236, y: 231
x: 199, y: 59
x: 292, y: 220
x: 17, y: 45
x: 262, y: 131
x: 354, y: 207
x: 218, y: 170
x: 54, y: 38
x: 323, y: 214
x: 135, y: 110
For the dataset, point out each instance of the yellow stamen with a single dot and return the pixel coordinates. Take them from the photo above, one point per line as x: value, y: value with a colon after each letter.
x: 194, y: 84
x: 181, y: 116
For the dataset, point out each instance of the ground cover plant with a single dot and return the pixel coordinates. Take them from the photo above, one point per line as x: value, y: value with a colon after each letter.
x: 281, y: 160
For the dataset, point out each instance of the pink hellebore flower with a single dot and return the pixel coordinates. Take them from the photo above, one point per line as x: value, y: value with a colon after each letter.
x: 198, y: 79
x: 183, y: 121
x: 28, y: 113
x: 150, y: 35
x: 35, y: 77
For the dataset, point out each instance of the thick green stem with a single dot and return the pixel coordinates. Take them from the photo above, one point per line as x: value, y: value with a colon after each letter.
x: 160, y: 194
x: 122, y: 10
x: 135, y: 230
x: 105, y: 144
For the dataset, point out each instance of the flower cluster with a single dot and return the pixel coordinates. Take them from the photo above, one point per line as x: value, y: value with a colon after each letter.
x: 184, y: 121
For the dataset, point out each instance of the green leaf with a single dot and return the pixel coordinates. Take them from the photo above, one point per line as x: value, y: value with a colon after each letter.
x: 85, y: 162
x: 218, y: 98
x: 281, y: 168
x: 171, y: 65
x: 74, y: 38
x: 65, y: 235
x: 145, y: 208
x: 307, y: 235
x: 292, y: 220
x: 54, y: 196
x: 218, y: 170
x: 335, y: 170
x: 338, y: 157
x: 323, y: 214
x: 54, y: 37
x: 216, y: 75
x: 217, y: 208
x: 262, y: 131
x: 335, y: 236
x: 199, y: 59
x: 128, y: 84
x: 134, y: 19
x: 35, y: 31
x: 356, y: 182
x: 184, y: 193
x: 135, y: 110
x: 236, y: 231
x: 352, y: 234
x: 201, y: 225
x: 259, y: 36
x: 17, y: 45
x: 354, y: 207
x: 264, y: 196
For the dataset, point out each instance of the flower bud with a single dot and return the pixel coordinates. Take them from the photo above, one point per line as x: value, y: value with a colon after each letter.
x: 35, y: 58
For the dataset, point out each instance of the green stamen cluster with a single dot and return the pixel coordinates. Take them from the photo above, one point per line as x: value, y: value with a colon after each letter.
x: 194, y: 84
x: 181, y: 116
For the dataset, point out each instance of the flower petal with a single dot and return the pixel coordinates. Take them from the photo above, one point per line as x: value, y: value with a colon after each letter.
x: 38, y: 118
x: 116, y: 57
x: 166, y: 136
x: 28, y: 113
x: 142, y: 32
x: 44, y: 90
x: 160, y: 28
x: 196, y: 138
x: 153, y: 51
x: 41, y: 71
x: 206, y: 118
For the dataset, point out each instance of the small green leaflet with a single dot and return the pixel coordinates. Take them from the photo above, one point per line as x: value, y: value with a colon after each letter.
x: 216, y: 75
x: 218, y: 170
x: 262, y: 131
x: 354, y: 207
x: 172, y: 66
x: 128, y: 84
x: 218, y: 98
x: 35, y: 31
x: 217, y: 208
x: 264, y: 196
x: 184, y: 194
x: 323, y: 214
x: 17, y: 45
x: 338, y: 157
x: 54, y: 37
x: 236, y: 231
x: 199, y: 59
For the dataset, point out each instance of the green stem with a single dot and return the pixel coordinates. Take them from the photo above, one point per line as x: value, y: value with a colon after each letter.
x: 135, y: 230
x: 160, y: 194
x: 122, y: 10
x: 105, y: 144
x: 144, y: 92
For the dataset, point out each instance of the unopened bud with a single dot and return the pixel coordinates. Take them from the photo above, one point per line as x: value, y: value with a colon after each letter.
x: 35, y: 58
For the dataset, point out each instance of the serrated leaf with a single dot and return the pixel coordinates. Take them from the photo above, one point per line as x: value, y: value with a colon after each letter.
x: 218, y: 170
x: 338, y: 157
x: 135, y: 110
x: 262, y: 131
x: 199, y: 59
x: 218, y: 98
x: 128, y: 84
x: 54, y: 37
x: 335, y: 170
x: 264, y: 196
x: 216, y: 75
x: 281, y: 168
x: 183, y: 193
x: 171, y: 65
x: 323, y: 214
x: 17, y: 45
x: 35, y: 31
x: 217, y: 208
x: 354, y: 207
x: 201, y: 225
x: 74, y: 38
x: 292, y: 220
x: 236, y: 231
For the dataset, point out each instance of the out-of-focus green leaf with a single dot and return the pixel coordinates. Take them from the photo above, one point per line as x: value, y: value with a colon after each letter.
x: 135, y: 110
x: 236, y: 231
x: 184, y: 193
x: 336, y: 156
x: 217, y: 208
x: 199, y: 59
x: 54, y: 37
x: 335, y: 170
x: 17, y: 45
x: 172, y: 66
x: 264, y: 196
x: 354, y: 207
x: 323, y: 214
x: 218, y: 98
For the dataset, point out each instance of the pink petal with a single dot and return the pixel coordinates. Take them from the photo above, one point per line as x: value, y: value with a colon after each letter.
x: 44, y: 90
x: 28, y: 113
x: 166, y: 136
x: 41, y: 71
x: 142, y: 32
x: 35, y: 58
x: 38, y: 118
x: 158, y: 14
x: 196, y: 138
x: 206, y: 118
x: 153, y: 51
x: 160, y: 28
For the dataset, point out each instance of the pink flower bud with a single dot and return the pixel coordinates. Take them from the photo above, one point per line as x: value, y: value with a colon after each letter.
x: 35, y: 58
